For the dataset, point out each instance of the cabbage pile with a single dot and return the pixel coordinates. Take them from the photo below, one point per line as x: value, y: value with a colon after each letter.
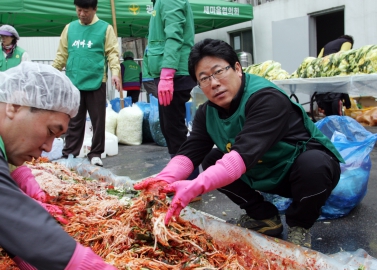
x: 269, y: 70
x: 344, y: 63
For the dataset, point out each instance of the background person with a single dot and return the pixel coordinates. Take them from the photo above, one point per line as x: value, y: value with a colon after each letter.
x: 265, y: 142
x: 332, y: 103
x: 170, y: 39
x: 12, y: 54
x: 36, y: 103
x: 86, y: 46
x: 131, y: 76
x: 342, y: 43
x: 147, y: 79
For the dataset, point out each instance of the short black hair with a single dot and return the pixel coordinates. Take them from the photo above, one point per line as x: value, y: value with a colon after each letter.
x: 86, y: 3
x: 349, y: 38
x: 211, y: 47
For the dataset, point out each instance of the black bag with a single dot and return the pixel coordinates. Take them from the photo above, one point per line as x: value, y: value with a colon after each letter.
x: 329, y: 102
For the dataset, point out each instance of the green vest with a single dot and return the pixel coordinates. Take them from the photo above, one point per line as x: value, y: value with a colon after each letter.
x: 2, y: 148
x: 169, y: 44
x: 131, y: 71
x: 15, y: 60
x: 86, y: 54
x: 276, y: 162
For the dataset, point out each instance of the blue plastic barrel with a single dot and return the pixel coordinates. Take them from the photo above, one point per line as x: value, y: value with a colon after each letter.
x: 115, y: 103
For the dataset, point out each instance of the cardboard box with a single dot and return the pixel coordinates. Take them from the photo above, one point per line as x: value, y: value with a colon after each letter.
x: 367, y: 101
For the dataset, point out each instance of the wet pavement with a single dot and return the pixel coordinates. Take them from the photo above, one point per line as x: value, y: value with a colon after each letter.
x: 356, y: 230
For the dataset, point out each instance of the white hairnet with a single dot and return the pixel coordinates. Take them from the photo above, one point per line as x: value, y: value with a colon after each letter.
x: 40, y: 86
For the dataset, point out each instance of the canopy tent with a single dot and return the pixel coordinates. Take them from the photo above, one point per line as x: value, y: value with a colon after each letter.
x: 48, y: 17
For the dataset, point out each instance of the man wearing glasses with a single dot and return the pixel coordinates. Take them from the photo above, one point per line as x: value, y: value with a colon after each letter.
x: 264, y: 142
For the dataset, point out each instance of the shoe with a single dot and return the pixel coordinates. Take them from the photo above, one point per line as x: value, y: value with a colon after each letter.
x: 299, y: 236
x: 270, y: 227
x: 96, y: 161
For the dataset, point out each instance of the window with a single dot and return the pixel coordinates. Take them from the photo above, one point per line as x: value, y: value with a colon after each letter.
x: 242, y: 41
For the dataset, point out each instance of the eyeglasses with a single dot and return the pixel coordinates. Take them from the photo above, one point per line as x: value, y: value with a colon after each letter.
x: 218, y: 75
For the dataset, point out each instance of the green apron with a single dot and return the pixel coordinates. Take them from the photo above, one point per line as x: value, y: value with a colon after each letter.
x: 276, y: 162
x: 86, y: 54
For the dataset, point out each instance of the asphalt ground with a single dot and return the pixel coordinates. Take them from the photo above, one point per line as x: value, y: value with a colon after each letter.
x: 356, y: 230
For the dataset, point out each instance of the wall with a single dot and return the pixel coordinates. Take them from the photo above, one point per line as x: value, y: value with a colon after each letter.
x: 40, y: 48
x: 360, y: 22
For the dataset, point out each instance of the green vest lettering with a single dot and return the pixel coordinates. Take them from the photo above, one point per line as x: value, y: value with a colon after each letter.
x: 86, y: 54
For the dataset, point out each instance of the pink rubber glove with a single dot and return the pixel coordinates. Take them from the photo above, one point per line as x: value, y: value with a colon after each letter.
x: 226, y: 170
x: 85, y: 259
x: 22, y: 264
x: 166, y: 86
x: 178, y: 168
x: 27, y: 183
x: 56, y: 211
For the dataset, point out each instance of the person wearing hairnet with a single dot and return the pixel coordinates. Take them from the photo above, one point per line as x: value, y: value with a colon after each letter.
x: 87, y: 46
x: 131, y: 76
x: 36, y: 104
x: 12, y: 54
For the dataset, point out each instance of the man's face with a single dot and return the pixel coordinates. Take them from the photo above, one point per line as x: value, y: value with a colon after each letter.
x: 86, y: 15
x: 223, y: 89
x: 30, y: 133
x: 6, y: 40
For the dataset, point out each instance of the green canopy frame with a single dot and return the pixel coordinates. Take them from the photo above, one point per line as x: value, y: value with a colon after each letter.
x: 130, y: 18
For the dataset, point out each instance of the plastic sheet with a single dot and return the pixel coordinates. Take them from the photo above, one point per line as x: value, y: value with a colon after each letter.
x: 154, y: 122
x: 277, y: 252
x: 353, y: 85
x: 354, y: 143
x: 83, y: 167
x: 146, y: 109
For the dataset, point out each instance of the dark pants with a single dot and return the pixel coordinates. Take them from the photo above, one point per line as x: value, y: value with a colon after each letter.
x: 172, y: 120
x: 134, y: 94
x: 173, y: 124
x: 309, y: 182
x: 95, y: 103
x: 151, y: 88
x: 332, y: 108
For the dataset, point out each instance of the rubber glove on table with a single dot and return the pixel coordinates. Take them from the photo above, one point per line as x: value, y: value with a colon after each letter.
x: 27, y: 183
x: 178, y: 168
x: 226, y: 170
x: 166, y: 86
